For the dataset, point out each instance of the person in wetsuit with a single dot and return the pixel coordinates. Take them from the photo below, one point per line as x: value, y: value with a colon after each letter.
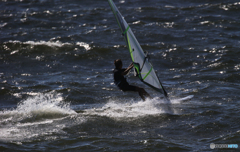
x: 121, y: 81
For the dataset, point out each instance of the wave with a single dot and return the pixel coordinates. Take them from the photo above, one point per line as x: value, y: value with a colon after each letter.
x: 40, y: 107
x: 40, y: 115
x: 14, y: 45
x: 47, y: 43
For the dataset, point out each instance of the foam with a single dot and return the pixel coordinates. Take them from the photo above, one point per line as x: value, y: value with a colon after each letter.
x: 39, y: 106
x: 51, y: 44
x: 47, y: 43
x: 45, y: 110
x: 132, y: 109
x: 85, y: 45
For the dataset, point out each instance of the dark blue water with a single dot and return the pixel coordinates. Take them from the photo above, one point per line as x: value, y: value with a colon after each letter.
x: 56, y: 86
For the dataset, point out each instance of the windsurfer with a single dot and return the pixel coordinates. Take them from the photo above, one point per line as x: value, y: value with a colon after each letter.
x: 121, y: 81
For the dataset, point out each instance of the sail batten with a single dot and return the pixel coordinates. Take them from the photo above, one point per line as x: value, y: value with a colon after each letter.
x: 143, y: 67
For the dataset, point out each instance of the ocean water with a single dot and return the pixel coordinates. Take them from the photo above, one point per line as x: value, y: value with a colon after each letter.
x: 56, y: 82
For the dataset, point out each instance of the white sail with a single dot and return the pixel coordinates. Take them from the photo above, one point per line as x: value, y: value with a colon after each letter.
x: 143, y: 67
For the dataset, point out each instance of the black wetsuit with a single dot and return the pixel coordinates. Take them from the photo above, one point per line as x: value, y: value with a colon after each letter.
x: 121, y: 82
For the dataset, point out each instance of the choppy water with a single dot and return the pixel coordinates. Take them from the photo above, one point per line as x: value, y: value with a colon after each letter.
x: 56, y: 86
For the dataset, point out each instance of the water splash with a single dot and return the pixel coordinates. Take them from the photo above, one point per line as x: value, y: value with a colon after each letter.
x: 133, y: 109
x: 41, y: 106
x: 36, y: 116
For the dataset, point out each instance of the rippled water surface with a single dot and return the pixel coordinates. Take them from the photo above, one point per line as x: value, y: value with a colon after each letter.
x: 56, y: 86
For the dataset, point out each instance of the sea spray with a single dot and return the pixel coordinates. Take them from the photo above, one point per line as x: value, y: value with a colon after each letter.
x: 50, y: 104
x: 131, y: 109
x: 39, y: 115
x: 41, y: 106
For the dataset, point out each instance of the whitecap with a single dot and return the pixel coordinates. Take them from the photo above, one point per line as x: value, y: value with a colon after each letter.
x: 39, y: 115
x: 47, y: 43
x: 83, y: 44
x: 39, y: 107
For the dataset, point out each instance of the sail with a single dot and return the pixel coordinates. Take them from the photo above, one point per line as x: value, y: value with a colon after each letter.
x: 143, y: 67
